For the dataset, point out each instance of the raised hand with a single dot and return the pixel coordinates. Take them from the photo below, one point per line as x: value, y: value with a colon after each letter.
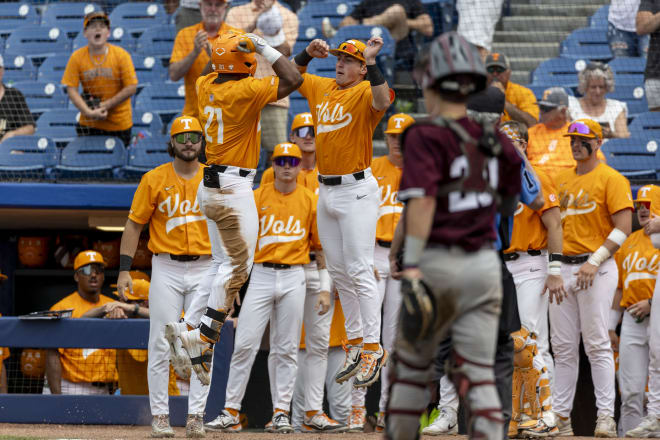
x: 374, y: 45
x: 318, y: 48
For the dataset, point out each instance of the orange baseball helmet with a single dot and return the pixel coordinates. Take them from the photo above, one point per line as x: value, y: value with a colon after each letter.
x: 33, y: 362
x: 33, y: 251
x: 227, y: 58
x: 109, y: 250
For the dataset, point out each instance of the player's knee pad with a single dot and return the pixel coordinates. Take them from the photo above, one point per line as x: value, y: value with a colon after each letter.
x: 408, y: 396
x: 212, y: 331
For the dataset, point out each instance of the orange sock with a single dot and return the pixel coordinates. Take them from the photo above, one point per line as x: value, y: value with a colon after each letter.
x: 371, y: 346
x: 190, y: 327
x: 232, y: 411
x: 280, y: 410
x: 205, y: 339
x: 356, y: 341
x: 310, y: 413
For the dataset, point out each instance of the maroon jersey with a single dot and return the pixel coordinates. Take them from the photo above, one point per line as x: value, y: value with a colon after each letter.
x: 433, y: 157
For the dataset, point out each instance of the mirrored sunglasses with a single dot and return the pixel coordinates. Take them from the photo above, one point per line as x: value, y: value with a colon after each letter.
x: 647, y: 205
x: 350, y: 48
x: 182, y: 138
x: 283, y: 160
x: 304, y: 131
x: 495, y: 69
x: 579, y: 128
x: 88, y: 269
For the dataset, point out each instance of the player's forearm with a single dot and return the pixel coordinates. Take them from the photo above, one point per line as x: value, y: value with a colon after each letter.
x: 180, y: 68
x: 622, y: 221
x: 54, y: 371
x: 419, y: 220
x: 96, y: 312
x: 616, y: 301
x: 320, y: 259
x: 381, y: 96
x: 422, y: 24
x: 120, y: 97
x: 290, y: 77
x: 130, y: 238
x: 551, y: 219
x: 646, y: 22
x: 397, y: 239
x: 519, y: 115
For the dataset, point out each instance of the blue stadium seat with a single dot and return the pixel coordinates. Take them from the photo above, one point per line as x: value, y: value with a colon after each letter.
x: 137, y: 17
x: 59, y: 125
x: 68, y: 16
x: 628, y: 70
x: 91, y: 157
x: 323, y: 66
x: 560, y: 72
x: 442, y: 14
x: 42, y: 96
x: 18, y: 68
x: 599, y: 19
x: 147, y: 122
x: 149, y: 70
x: 27, y: 157
x: 166, y: 98
x: 647, y: 123
x: 15, y: 15
x: 636, y: 166
x: 538, y: 90
x: 157, y: 41
x: 52, y: 69
x: 586, y: 43
x: 311, y: 16
x: 146, y: 154
x: 633, y: 95
x: 118, y: 36
x: 638, y: 145
x: 38, y: 42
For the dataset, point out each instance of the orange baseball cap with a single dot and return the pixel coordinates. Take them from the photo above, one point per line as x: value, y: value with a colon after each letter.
x: 302, y: 120
x: 586, y: 128
x: 287, y: 150
x: 140, y: 291
x: 185, y: 124
x: 649, y: 194
x: 354, y: 48
x: 2, y: 276
x: 96, y: 15
x: 87, y: 257
x: 398, y: 123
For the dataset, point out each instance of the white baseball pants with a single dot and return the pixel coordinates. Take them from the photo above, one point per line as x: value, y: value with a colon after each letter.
x: 82, y: 388
x: 633, y: 370
x: 280, y: 294
x: 448, y: 394
x: 174, y: 284
x: 347, y: 216
x: 585, y: 312
x: 338, y: 394
x: 529, y: 275
x: 653, y: 405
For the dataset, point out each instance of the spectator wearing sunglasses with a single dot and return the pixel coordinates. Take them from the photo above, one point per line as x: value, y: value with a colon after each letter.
x: 595, y: 81
x: 69, y: 370
x: 520, y: 104
x: 648, y: 23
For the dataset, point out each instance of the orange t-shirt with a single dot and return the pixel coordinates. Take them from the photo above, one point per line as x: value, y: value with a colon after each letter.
x: 169, y: 204
x: 229, y: 113
x: 184, y: 43
x: 287, y: 225
x: 345, y: 122
x: 587, y: 203
x: 638, y: 262
x: 529, y: 232
x: 307, y: 178
x: 103, y: 78
x: 521, y: 97
x: 388, y: 177
x: 550, y: 150
x: 86, y: 364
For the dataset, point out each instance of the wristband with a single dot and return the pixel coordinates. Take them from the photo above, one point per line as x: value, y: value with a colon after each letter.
x: 324, y: 279
x: 615, y: 316
x: 303, y: 58
x: 125, y: 263
x: 597, y: 258
x: 136, y: 309
x: 374, y: 75
x: 412, y: 251
x: 277, y: 39
x: 655, y: 240
x: 270, y: 54
x: 617, y: 236
x: 554, y: 268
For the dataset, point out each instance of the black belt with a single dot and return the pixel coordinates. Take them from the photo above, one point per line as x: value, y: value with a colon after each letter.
x: 100, y: 384
x: 312, y: 256
x: 570, y: 259
x: 383, y: 243
x: 276, y: 266
x: 336, y: 180
x: 515, y: 255
x: 222, y: 168
x: 183, y: 257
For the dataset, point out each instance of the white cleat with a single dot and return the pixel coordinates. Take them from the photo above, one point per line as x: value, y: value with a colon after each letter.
x: 445, y: 424
x: 160, y: 427
x: 605, y: 427
x: 649, y: 427
x: 180, y: 360
x: 200, y: 354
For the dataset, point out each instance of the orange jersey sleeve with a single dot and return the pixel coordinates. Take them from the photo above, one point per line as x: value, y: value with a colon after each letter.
x: 286, y: 222
x: 587, y: 203
x: 345, y: 122
x: 103, y: 78
x: 529, y: 232
x: 389, y: 213
x: 637, y: 261
x: 310, y: 180
x: 86, y: 364
x: 229, y: 113
x: 169, y: 204
x: 268, y: 176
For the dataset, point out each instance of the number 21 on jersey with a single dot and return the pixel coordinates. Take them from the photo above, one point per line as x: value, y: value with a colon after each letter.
x: 465, y: 201
x: 211, y: 113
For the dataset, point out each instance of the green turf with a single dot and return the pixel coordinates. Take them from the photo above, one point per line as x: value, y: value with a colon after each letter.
x: 12, y: 437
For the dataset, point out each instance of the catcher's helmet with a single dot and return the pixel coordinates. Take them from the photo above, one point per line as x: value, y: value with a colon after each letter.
x: 227, y: 58
x: 447, y: 57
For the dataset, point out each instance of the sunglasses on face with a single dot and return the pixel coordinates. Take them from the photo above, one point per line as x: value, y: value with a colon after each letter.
x: 283, y: 160
x: 495, y: 69
x: 350, y: 48
x: 639, y: 205
x: 95, y: 268
x: 304, y: 131
x: 182, y: 138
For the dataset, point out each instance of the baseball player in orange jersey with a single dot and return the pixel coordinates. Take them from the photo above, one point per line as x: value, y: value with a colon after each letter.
x: 230, y: 101
x: 595, y: 204
x: 276, y: 291
x: 167, y: 199
x: 534, y: 260
x: 346, y: 111
x: 637, y: 262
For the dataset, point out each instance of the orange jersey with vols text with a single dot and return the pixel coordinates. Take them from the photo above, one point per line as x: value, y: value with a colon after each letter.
x: 307, y: 178
x: 287, y: 225
x: 587, y: 203
x: 344, y: 120
x: 529, y: 232
x: 638, y: 262
x: 86, y: 364
x: 388, y: 177
x: 229, y: 113
x: 168, y: 203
